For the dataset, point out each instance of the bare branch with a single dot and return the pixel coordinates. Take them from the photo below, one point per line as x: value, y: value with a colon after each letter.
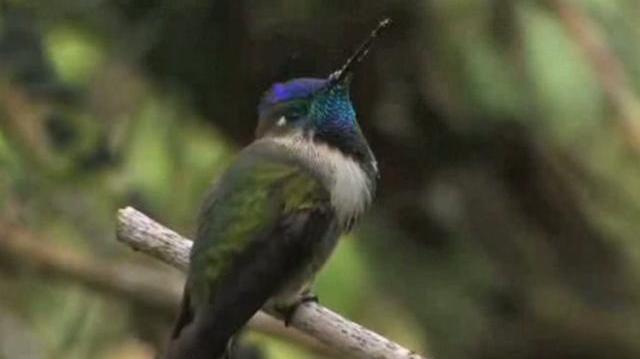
x: 345, y: 337
x: 150, y: 288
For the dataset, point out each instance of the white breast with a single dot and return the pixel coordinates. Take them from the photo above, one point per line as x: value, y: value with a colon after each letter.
x: 347, y: 182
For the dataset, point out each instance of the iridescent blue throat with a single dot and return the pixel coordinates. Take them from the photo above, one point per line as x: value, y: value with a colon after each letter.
x: 332, y: 113
x: 327, y: 107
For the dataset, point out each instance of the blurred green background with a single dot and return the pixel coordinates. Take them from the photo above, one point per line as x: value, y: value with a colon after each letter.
x: 507, y: 132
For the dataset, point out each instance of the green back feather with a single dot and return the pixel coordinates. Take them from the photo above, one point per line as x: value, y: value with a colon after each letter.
x: 249, y: 200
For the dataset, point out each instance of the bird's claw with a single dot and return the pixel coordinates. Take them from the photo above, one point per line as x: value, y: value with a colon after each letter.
x: 308, y: 297
x: 289, y: 311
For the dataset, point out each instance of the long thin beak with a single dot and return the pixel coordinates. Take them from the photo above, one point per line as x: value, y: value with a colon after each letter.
x: 342, y: 74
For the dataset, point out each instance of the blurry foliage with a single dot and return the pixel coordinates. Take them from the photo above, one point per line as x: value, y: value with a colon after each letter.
x: 507, y: 217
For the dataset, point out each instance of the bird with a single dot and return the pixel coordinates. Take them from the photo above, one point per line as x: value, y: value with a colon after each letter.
x: 274, y: 217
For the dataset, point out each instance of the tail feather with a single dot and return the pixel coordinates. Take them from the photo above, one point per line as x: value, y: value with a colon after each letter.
x: 191, y: 345
x: 191, y: 340
x: 254, y: 276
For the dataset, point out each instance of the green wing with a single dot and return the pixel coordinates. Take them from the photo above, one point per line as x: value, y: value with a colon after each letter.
x: 256, y: 228
x: 247, y: 204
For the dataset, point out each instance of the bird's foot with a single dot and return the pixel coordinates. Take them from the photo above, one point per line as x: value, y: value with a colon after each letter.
x: 289, y: 311
x: 308, y: 297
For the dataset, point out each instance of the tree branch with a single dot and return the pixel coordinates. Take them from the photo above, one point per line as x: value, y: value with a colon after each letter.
x: 144, y: 286
x: 345, y: 337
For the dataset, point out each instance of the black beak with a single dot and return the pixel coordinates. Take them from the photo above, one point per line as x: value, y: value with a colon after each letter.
x: 343, y: 74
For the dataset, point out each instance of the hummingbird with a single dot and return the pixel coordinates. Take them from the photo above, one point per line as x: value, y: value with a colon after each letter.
x: 274, y: 217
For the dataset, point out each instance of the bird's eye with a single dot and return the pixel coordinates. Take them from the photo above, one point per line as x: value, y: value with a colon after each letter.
x: 293, y: 116
x: 295, y: 111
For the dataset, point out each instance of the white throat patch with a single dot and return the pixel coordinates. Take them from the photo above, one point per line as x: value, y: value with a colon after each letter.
x: 348, y: 183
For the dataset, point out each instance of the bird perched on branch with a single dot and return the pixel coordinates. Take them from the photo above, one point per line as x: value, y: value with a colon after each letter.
x: 274, y: 217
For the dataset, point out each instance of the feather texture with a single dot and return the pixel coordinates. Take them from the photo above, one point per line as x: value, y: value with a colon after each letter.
x: 259, y: 229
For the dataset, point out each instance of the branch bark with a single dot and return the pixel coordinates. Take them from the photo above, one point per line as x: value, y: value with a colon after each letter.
x: 345, y: 337
x: 144, y: 286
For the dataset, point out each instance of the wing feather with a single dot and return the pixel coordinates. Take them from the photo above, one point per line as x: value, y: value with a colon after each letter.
x: 257, y: 229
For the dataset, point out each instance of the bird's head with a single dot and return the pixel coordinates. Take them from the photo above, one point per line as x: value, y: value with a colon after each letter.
x: 312, y: 106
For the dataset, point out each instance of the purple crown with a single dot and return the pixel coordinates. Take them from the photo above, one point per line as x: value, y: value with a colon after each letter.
x: 291, y: 90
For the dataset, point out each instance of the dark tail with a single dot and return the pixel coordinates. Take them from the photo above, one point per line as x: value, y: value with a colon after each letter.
x: 195, y: 344
x: 195, y: 351
x: 193, y: 339
x: 253, y: 277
